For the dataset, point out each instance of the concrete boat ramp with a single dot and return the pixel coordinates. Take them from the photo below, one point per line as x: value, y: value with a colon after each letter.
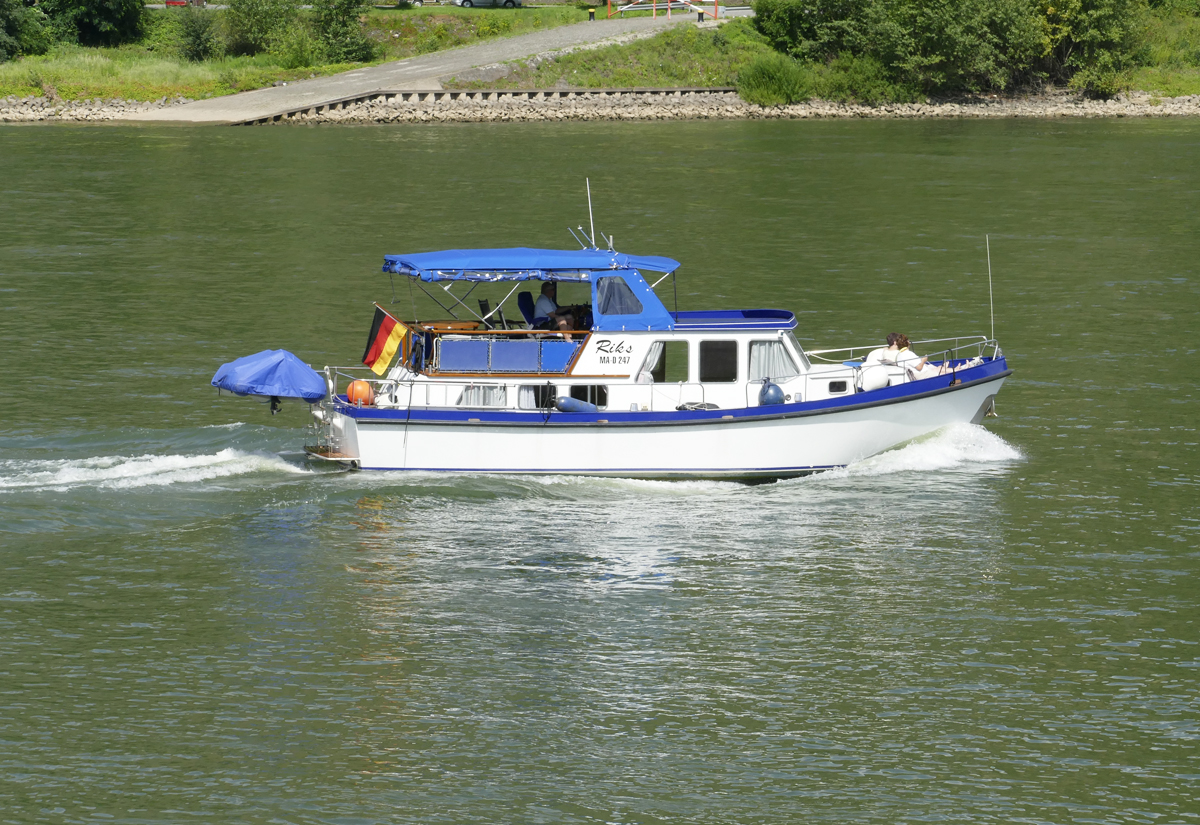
x: 416, y: 73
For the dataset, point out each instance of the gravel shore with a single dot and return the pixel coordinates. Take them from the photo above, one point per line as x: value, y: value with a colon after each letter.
x: 588, y: 106
x: 29, y: 109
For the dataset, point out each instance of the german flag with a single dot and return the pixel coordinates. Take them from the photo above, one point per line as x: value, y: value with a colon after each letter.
x: 386, y: 336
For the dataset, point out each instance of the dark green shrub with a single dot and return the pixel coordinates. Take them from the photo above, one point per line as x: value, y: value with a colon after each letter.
x: 813, y: 29
x: 199, y: 35
x: 255, y: 24
x: 941, y: 46
x: 23, y: 30
x: 340, y: 31
x: 851, y: 79
x: 295, y: 47
x: 1091, y: 43
x: 774, y: 80
x: 97, y: 22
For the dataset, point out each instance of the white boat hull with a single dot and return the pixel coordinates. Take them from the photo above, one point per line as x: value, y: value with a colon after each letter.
x: 793, y: 442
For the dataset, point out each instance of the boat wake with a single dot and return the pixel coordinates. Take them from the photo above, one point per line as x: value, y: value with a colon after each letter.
x: 960, y: 446
x: 127, y: 472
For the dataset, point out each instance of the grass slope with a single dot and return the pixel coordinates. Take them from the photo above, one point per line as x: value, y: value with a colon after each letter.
x: 680, y: 56
x: 153, y: 68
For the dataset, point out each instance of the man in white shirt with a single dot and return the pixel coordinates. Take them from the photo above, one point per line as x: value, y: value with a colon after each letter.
x: 547, y: 306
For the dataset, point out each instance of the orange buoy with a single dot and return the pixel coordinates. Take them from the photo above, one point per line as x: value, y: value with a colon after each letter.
x: 360, y: 393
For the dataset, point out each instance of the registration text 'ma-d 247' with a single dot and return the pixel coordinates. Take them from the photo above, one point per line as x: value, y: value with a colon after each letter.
x: 609, y: 356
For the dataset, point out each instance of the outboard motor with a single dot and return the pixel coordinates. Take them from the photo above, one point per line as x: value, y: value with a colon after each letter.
x: 769, y: 394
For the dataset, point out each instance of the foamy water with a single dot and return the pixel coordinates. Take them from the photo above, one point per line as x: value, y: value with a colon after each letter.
x: 954, y: 447
x: 127, y: 472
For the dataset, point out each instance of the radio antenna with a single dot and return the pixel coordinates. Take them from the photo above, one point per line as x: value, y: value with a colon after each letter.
x: 591, y: 222
x: 991, y: 306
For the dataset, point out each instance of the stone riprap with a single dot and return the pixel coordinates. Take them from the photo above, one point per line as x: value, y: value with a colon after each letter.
x: 29, y: 109
x: 728, y: 106
x: 595, y: 106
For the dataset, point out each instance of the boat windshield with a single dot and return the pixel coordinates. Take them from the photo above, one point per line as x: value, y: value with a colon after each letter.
x: 799, y: 350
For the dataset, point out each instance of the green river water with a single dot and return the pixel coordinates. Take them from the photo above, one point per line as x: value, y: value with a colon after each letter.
x: 992, y: 625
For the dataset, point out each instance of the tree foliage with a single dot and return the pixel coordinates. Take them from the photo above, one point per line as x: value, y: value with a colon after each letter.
x: 946, y: 46
x: 199, y: 35
x: 340, y: 32
x: 255, y: 24
x: 97, y: 22
x: 23, y: 30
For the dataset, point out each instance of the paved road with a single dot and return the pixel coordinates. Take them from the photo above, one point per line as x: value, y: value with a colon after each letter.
x: 414, y: 73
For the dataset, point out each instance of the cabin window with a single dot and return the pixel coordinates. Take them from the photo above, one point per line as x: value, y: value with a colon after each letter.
x: 614, y: 297
x: 770, y: 359
x: 718, y: 362
x: 667, y: 361
x: 837, y: 386
x: 592, y: 393
x: 483, y: 395
x: 536, y: 396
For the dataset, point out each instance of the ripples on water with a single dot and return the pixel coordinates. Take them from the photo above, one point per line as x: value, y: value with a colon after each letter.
x: 198, y: 625
x: 246, y: 635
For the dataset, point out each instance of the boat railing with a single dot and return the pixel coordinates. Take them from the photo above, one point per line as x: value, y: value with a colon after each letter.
x: 386, y: 393
x: 947, y: 348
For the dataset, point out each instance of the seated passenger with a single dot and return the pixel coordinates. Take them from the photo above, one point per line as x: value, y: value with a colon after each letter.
x: 916, y: 366
x: 547, y: 306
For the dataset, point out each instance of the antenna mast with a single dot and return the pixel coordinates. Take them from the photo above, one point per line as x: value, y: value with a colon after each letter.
x: 591, y: 222
x: 991, y: 307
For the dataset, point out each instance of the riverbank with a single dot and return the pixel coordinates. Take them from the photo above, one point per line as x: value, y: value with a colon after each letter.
x: 587, y: 105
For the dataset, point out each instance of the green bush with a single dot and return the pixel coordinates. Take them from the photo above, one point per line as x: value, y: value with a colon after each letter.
x: 774, y: 80
x: 199, y: 35
x: 851, y: 79
x: 340, y: 30
x: 23, y: 30
x: 1091, y: 43
x: 97, y: 22
x: 255, y: 24
x: 295, y: 47
x: 949, y: 46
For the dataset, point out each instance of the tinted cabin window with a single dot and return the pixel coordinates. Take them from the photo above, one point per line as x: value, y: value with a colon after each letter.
x: 718, y: 361
x: 614, y: 297
x: 592, y: 393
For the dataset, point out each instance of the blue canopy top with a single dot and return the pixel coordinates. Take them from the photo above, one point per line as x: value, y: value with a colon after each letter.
x: 519, y: 264
x: 272, y: 372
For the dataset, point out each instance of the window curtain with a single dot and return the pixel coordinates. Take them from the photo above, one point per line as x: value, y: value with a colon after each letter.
x: 646, y: 374
x: 483, y: 395
x: 527, y: 397
x: 769, y: 359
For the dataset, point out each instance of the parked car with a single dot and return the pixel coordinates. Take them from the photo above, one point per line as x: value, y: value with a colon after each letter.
x: 508, y: 4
